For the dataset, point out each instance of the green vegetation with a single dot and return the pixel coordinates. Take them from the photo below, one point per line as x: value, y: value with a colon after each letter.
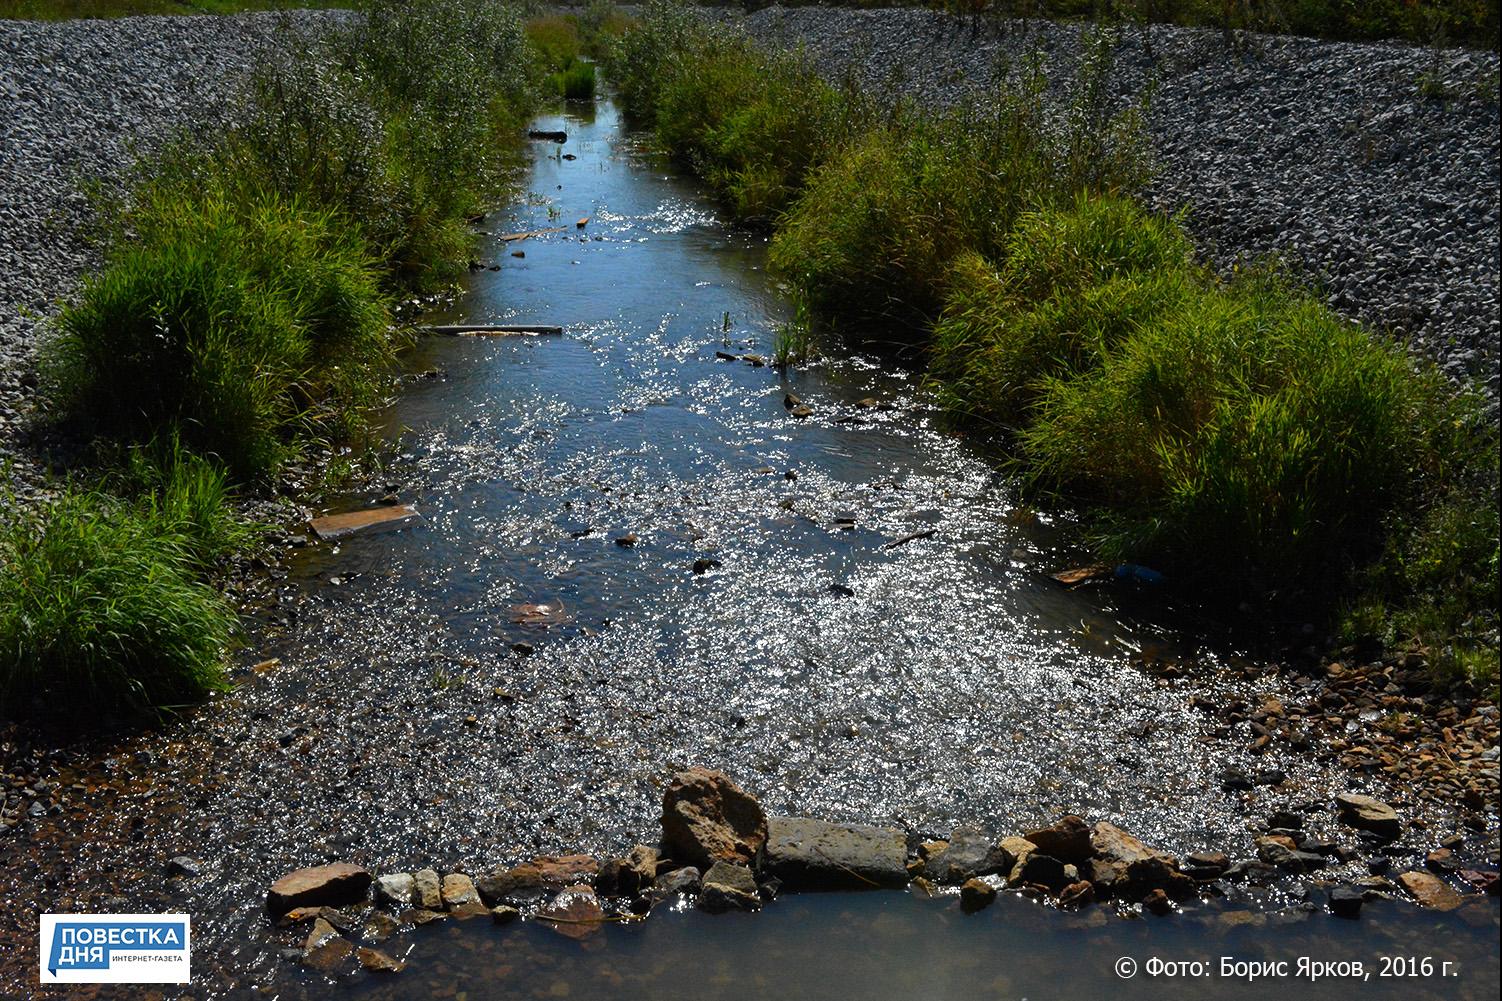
x: 236, y: 327
x: 560, y: 42
x: 577, y: 83
x: 244, y: 317
x: 1235, y: 434
x: 102, y: 604
x: 64, y: 10
x: 752, y: 124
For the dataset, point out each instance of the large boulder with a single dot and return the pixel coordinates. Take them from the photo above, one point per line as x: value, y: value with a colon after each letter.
x: 333, y: 885
x: 1067, y: 840
x: 707, y: 818
x: 1369, y: 814
x: 808, y: 854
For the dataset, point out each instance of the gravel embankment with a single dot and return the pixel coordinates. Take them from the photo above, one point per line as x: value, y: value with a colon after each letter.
x: 79, y: 98
x: 1325, y: 153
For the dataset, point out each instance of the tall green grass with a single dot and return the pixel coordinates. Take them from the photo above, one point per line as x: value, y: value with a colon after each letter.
x: 753, y: 124
x: 104, y: 608
x: 239, y: 327
x: 1235, y: 434
x: 883, y: 219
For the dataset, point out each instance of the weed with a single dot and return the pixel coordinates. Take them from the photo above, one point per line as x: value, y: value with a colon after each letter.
x: 102, y: 611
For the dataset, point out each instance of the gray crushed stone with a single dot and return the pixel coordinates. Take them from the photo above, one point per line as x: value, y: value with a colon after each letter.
x: 1326, y: 154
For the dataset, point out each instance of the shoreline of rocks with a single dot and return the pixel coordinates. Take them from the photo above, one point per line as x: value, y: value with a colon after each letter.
x: 722, y: 851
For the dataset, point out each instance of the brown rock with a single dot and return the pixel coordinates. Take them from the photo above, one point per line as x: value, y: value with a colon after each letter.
x: 1368, y: 814
x: 707, y: 818
x: 1430, y: 891
x: 325, y: 949
x: 625, y: 877
x: 334, y: 884
x: 976, y: 894
x: 1067, y: 840
x: 419, y: 916
x: 457, y: 890
x: 1115, y: 845
x: 380, y: 926
x: 1157, y: 902
x: 428, y: 890
x: 1077, y: 894
x: 545, y: 874
x: 575, y: 913
x: 377, y: 961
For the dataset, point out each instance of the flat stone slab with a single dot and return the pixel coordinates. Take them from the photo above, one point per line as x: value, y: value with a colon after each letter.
x: 808, y: 854
x: 334, y: 885
x: 337, y: 526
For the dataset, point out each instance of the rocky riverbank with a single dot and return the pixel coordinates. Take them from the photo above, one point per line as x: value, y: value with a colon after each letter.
x: 720, y: 850
x: 1371, y: 169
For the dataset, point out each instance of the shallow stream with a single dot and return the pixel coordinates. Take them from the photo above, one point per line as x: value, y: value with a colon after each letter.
x: 505, y: 677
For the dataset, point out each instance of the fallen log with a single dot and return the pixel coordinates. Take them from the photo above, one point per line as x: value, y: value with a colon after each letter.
x: 513, y: 237
x: 494, y: 329
x: 553, y: 135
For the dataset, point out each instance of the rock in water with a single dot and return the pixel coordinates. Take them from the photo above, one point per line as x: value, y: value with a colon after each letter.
x: 1430, y: 891
x: 325, y: 949
x: 815, y: 855
x: 976, y: 895
x: 334, y: 885
x: 707, y: 818
x: 429, y: 890
x: 1067, y: 840
x: 729, y: 887
x: 377, y: 961
x: 575, y: 913
x: 457, y: 890
x: 1368, y: 814
x: 397, y: 888
x: 625, y: 877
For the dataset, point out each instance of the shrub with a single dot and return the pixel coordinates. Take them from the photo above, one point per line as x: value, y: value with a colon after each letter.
x: 883, y: 221
x: 233, y: 325
x: 577, y: 83
x: 556, y: 39
x: 102, y: 611
x: 1244, y: 436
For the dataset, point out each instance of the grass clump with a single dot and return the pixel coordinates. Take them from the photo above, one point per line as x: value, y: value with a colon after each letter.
x: 103, y: 607
x: 238, y: 328
x: 1235, y: 434
x: 577, y: 83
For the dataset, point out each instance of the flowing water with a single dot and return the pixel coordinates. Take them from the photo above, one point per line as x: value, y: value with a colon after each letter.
x: 505, y: 677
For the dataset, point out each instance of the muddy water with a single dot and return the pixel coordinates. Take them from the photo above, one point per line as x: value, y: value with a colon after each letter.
x: 421, y: 708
